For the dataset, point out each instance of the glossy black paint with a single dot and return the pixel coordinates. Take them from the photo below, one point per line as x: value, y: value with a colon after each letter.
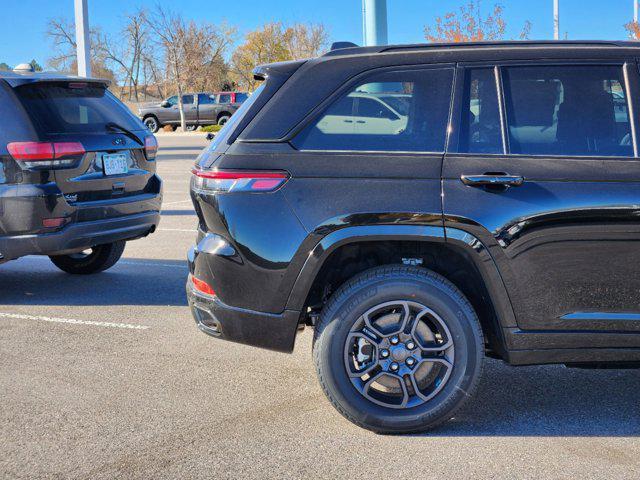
x: 558, y: 254
x: 98, y: 208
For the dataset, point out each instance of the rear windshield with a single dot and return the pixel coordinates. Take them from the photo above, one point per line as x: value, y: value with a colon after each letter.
x: 230, y: 126
x: 56, y: 108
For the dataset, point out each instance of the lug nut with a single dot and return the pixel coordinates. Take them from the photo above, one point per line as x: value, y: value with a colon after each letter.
x: 384, y: 353
x: 394, y: 340
x: 393, y: 366
x: 411, y: 346
x: 411, y: 361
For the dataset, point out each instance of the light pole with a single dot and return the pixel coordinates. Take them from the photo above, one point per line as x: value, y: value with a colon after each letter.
x: 83, y: 47
x: 374, y: 22
x: 556, y: 19
x: 635, y: 11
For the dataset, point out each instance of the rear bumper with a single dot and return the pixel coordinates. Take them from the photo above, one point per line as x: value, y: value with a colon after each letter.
x: 80, y: 235
x: 259, y: 329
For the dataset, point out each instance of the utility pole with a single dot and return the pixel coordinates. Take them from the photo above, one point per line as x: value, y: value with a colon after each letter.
x: 374, y: 22
x: 556, y: 19
x: 83, y: 48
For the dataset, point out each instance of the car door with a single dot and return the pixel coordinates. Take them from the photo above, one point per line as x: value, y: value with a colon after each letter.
x: 207, y: 110
x: 190, y: 109
x: 547, y: 176
x: 169, y: 113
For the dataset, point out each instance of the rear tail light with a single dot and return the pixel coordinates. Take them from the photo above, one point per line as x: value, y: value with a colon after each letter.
x: 46, y: 154
x: 150, y: 147
x: 202, y: 286
x: 226, y: 181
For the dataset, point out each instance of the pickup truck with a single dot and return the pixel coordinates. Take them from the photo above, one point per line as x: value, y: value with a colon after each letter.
x: 204, y: 108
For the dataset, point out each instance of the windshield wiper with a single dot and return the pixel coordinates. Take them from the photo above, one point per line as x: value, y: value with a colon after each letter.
x: 119, y: 128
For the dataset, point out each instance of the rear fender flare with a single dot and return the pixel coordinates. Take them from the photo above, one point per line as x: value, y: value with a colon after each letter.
x: 476, y: 251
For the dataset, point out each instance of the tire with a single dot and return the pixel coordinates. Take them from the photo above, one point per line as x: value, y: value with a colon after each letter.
x: 434, y: 309
x: 152, y: 124
x: 191, y: 128
x: 224, y: 118
x: 99, y: 258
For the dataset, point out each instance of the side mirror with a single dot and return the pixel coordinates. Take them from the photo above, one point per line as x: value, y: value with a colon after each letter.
x: 165, y: 104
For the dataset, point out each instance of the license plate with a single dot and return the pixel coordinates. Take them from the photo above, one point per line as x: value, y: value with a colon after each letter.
x: 115, y: 163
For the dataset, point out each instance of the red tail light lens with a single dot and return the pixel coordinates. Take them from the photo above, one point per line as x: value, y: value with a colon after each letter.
x: 150, y: 147
x: 45, y: 154
x: 226, y: 181
x: 67, y: 149
x: 202, y: 286
x: 31, y: 150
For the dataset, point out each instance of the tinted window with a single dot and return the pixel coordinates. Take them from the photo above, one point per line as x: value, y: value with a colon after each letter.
x: 241, y: 97
x: 187, y: 99
x: 56, y: 108
x: 172, y: 100
x: 206, y: 99
x: 225, y: 98
x: 567, y: 110
x: 480, y: 126
x: 364, y: 119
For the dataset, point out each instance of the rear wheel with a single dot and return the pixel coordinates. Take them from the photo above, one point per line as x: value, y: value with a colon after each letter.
x: 191, y: 128
x: 223, y: 119
x: 398, y: 349
x: 93, y: 260
x: 152, y: 124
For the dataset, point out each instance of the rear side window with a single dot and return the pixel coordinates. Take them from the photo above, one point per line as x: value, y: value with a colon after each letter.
x: 206, y: 99
x: 58, y: 108
x: 567, y: 110
x: 481, y: 130
x: 225, y: 98
x: 393, y: 111
x: 187, y: 99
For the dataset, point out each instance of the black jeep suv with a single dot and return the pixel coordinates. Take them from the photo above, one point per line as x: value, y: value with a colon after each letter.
x: 77, y: 172
x: 422, y: 207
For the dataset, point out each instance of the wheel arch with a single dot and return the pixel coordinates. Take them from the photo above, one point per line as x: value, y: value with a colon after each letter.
x: 455, y: 254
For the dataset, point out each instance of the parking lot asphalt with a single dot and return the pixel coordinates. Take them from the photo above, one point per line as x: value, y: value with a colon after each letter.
x: 106, y: 376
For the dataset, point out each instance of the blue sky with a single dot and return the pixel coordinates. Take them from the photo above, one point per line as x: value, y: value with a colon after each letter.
x: 22, y: 36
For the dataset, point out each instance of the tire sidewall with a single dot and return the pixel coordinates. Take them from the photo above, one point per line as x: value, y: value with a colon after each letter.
x: 460, y: 320
x: 155, y: 122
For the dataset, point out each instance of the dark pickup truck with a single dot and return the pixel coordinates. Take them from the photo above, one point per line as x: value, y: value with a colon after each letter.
x: 199, y: 109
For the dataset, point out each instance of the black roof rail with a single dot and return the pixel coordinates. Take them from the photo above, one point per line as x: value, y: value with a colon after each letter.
x: 504, y: 43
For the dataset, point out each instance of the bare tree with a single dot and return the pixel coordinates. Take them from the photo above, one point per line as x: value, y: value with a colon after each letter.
x: 127, y: 53
x: 193, y: 53
x: 61, y: 33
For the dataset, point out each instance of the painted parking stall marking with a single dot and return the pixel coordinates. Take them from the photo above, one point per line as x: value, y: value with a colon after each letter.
x: 74, y: 321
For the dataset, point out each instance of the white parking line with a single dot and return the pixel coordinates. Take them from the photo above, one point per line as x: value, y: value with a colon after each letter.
x: 74, y: 321
x: 176, y: 203
x: 177, y: 230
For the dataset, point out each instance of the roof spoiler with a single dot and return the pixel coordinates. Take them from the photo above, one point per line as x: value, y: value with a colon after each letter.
x: 341, y: 45
x: 262, y: 72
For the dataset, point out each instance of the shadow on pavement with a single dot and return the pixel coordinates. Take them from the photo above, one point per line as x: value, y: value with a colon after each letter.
x: 35, y: 281
x: 550, y: 401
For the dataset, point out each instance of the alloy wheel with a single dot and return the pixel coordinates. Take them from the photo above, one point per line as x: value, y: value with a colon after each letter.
x: 399, y: 354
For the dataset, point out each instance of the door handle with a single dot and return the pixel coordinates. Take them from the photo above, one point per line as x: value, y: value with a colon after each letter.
x: 499, y: 179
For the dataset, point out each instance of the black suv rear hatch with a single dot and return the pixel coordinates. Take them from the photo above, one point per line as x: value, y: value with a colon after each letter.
x: 112, y: 163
